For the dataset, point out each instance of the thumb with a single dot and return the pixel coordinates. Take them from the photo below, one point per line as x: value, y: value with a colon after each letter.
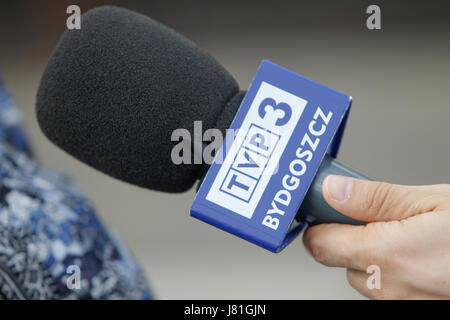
x: 371, y: 201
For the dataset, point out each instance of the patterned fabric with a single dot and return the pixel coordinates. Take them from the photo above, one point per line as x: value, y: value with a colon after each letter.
x: 49, y: 232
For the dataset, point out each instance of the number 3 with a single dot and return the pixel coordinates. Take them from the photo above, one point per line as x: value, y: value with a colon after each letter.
x: 262, y: 111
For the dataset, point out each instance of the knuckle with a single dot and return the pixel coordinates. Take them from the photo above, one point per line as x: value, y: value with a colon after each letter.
x: 318, y: 253
x: 381, y: 258
x: 372, y: 256
x: 314, y: 243
x: 378, y: 253
x: 317, y: 250
x: 376, y: 200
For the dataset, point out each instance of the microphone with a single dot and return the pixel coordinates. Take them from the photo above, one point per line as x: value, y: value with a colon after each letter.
x: 114, y: 91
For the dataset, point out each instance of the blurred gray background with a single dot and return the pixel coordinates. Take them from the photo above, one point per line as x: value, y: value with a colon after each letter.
x: 398, y: 130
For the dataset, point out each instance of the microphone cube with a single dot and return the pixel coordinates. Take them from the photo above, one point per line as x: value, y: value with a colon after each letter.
x: 284, y: 127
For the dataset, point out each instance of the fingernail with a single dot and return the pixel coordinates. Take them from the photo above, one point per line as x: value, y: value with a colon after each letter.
x: 339, y: 187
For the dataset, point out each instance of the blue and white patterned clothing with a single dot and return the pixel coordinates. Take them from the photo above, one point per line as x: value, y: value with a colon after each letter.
x: 52, y: 244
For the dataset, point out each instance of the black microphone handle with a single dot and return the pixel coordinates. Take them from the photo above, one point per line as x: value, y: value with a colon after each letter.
x: 314, y: 209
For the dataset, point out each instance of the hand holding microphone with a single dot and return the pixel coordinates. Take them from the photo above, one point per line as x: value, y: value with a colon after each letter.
x: 407, y: 237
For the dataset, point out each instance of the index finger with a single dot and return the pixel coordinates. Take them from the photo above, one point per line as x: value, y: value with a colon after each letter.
x: 341, y: 245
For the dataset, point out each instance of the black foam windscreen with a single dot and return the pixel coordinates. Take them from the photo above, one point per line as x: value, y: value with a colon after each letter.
x: 113, y: 92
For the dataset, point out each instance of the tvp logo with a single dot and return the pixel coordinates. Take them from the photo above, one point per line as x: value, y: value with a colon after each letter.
x: 256, y: 150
